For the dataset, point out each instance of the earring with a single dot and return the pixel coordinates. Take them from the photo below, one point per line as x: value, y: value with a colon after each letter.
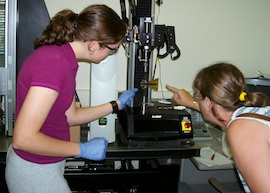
x: 91, y: 52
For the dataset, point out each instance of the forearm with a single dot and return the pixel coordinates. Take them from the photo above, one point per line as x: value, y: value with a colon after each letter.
x: 45, y: 145
x: 77, y: 116
x: 187, y: 101
x: 88, y: 114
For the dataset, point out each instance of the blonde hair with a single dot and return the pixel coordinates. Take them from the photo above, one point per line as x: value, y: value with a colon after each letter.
x: 223, y: 83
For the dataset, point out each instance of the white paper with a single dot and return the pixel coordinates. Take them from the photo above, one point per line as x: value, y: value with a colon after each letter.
x: 205, y: 158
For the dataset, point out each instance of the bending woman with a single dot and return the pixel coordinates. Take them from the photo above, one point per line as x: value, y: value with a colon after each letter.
x: 221, y: 96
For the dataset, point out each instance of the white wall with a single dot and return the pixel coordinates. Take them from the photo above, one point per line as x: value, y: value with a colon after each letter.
x: 206, y: 31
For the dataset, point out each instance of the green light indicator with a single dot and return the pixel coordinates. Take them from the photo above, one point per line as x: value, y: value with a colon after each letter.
x: 102, y: 121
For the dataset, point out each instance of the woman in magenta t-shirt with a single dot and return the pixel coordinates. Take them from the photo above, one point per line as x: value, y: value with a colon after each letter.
x: 45, y: 104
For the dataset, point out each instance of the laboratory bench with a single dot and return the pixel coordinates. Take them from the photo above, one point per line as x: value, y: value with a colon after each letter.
x: 142, y: 166
x: 139, y: 167
x: 136, y: 166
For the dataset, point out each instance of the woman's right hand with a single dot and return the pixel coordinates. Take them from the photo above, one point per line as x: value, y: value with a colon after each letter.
x: 181, y: 96
x: 95, y: 149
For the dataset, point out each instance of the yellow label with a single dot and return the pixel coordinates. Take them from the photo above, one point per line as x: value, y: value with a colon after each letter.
x: 186, y: 125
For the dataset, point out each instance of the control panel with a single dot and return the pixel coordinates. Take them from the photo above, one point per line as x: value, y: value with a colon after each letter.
x: 199, y: 126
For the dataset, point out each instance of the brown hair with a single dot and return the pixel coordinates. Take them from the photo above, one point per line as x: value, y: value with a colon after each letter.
x: 223, y: 83
x: 96, y: 22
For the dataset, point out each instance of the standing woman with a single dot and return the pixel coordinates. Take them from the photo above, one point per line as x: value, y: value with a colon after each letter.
x: 222, y: 97
x: 46, y: 107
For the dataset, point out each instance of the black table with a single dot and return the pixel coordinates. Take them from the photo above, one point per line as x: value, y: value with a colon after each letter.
x: 151, y: 176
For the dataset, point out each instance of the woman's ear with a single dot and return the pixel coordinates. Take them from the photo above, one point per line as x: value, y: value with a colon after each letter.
x: 93, y: 46
x: 208, y: 104
x: 213, y: 108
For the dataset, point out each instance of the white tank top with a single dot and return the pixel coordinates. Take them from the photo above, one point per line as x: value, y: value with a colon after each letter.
x: 258, y: 110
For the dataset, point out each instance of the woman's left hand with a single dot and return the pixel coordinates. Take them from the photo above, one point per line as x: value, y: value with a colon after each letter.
x: 126, y: 97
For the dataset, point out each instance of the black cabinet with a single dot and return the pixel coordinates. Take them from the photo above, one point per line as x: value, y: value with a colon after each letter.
x: 149, y: 177
x: 3, y: 185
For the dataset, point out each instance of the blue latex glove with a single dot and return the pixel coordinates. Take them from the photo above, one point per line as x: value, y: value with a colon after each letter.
x: 126, y: 97
x: 95, y: 149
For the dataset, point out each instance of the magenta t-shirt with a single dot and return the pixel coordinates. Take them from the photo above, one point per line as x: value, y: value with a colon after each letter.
x: 53, y: 67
